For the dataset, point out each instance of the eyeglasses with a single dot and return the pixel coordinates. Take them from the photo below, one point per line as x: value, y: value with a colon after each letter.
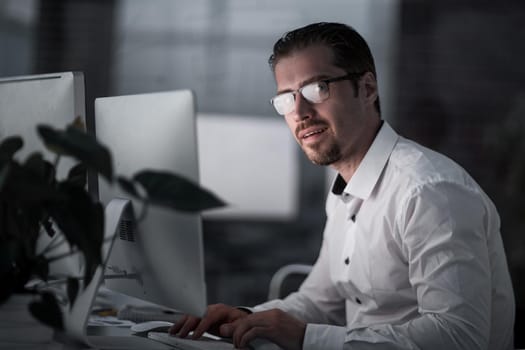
x: 315, y: 92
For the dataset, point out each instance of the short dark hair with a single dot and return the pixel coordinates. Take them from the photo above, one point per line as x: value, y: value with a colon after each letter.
x: 350, y: 50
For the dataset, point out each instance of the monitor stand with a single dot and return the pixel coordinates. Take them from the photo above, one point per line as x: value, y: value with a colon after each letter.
x: 76, y: 316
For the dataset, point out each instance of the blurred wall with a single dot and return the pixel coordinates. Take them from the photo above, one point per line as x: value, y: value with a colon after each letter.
x: 461, y: 91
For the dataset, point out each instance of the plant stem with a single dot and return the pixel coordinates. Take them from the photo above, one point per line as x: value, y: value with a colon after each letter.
x: 53, y: 245
x: 62, y: 256
x: 57, y: 160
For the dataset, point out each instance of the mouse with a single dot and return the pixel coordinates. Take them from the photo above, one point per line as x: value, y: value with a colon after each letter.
x: 151, y: 326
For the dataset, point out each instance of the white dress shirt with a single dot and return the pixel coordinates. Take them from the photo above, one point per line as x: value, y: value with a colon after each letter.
x: 412, y: 258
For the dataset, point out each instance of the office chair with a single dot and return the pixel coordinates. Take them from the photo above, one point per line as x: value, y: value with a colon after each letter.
x: 287, y: 279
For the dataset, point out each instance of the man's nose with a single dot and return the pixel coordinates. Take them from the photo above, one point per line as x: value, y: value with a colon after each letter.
x: 303, y: 108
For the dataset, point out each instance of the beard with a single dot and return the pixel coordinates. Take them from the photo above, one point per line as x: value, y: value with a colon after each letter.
x: 326, y: 156
x: 322, y: 153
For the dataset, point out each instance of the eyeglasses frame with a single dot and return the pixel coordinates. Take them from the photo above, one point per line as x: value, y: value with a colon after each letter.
x: 348, y: 76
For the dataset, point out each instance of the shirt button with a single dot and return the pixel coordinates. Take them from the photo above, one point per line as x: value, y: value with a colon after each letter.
x: 347, y: 261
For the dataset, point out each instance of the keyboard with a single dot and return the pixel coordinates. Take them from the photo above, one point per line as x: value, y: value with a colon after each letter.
x: 204, y: 343
x: 207, y: 342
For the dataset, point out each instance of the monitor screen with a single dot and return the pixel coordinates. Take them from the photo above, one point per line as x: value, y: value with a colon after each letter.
x: 159, y: 258
x: 54, y: 99
x: 26, y: 101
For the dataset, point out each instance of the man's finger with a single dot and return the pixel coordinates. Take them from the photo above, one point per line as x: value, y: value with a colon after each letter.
x: 211, y: 319
x: 188, y: 326
x: 226, y: 330
x: 178, y: 325
x: 243, y: 326
x: 249, y: 335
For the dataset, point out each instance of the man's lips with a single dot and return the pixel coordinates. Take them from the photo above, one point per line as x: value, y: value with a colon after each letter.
x: 311, y: 131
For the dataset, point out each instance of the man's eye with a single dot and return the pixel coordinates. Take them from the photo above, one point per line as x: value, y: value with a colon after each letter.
x: 288, y: 98
x: 322, y: 87
x: 311, y: 89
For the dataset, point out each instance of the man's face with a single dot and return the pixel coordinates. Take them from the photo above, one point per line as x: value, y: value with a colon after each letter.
x: 328, y: 132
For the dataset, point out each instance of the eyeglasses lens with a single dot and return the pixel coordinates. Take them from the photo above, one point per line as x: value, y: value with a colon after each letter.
x: 284, y: 103
x: 316, y: 93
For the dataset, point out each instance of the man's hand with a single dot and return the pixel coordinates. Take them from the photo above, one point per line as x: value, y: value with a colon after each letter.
x: 274, y: 325
x: 216, y: 315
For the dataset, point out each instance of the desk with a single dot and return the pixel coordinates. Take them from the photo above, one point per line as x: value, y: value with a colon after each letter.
x: 20, y: 331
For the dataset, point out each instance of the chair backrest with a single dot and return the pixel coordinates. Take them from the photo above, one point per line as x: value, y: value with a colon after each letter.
x: 275, y: 290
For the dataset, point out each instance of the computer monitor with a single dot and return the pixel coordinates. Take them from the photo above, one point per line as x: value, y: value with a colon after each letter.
x: 160, y: 259
x: 26, y: 101
x: 54, y: 99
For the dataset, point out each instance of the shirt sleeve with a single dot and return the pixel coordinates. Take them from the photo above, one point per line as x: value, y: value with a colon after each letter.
x: 317, y: 300
x: 320, y: 336
x: 443, y: 233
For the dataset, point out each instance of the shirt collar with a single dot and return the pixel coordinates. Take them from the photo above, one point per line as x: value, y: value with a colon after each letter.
x: 367, y: 174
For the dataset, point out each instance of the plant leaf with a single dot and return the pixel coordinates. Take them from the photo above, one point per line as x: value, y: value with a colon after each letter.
x: 128, y: 186
x: 41, y: 268
x: 76, y: 143
x: 98, y: 239
x: 41, y: 168
x: 72, y: 290
x: 82, y: 222
x: 9, y: 146
x: 47, y: 311
x: 47, y: 225
x: 24, y: 187
x: 78, y: 123
x: 78, y: 175
x: 90, y: 268
x: 4, y: 171
x: 16, y: 266
x: 176, y: 192
x: 7, y: 273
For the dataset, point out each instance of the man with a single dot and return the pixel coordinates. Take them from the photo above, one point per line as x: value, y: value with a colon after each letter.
x: 412, y: 256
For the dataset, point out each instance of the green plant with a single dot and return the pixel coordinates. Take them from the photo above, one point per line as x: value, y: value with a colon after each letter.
x: 34, y: 202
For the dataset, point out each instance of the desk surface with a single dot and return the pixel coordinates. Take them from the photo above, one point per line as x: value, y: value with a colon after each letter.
x: 99, y: 337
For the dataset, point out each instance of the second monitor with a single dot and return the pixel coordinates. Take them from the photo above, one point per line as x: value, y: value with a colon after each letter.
x: 162, y: 261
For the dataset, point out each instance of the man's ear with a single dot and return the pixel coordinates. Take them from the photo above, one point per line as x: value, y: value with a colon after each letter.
x: 369, y: 83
